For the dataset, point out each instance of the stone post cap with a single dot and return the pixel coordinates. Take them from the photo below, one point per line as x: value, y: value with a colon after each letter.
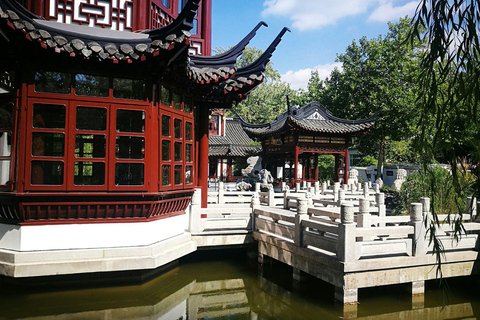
x: 380, y: 198
x: 364, y: 205
x: 341, y: 194
x: 346, y: 213
x: 426, y: 204
x: 302, y: 206
x: 416, y: 213
x: 255, y: 200
x: 196, y: 196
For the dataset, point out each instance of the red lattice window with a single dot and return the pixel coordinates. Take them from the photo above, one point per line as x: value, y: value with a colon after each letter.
x: 160, y: 16
x: 115, y: 15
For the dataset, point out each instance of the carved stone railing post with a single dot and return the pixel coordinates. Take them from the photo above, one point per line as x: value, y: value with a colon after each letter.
x: 286, y: 193
x: 364, y: 219
x: 382, y: 208
x: 316, y: 185
x: 336, y: 188
x: 271, y: 197
x: 324, y: 187
x: 345, y: 187
x: 471, y: 208
x: 221, y: 193
x: 254, y: 204
x: 416, y: 220
x: 366, y: 190
x: 304, y: 185
x: 297, y: 186
x: 341, y: 197
x: 195, y: 212
x: 425, y: 209
x: 284, y: 186
x: 309, y: 184
x: 257, y: 186
x: 311, y: 190
x: 302, y: 210
x: 346, y: 234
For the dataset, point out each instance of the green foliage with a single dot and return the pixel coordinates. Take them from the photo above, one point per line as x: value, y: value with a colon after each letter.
x: 377, y: 75
x: 368, y: 161
x: 436, y: 184
x: 448, y: 98
x: 268, y: 100
x: 326, y: 167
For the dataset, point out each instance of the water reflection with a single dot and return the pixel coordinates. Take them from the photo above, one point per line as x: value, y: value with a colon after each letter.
x: 229, y: 290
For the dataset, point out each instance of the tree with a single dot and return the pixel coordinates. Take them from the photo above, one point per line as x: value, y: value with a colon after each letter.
x: 268, y: 100
x: 377, y: 75
x: 449, y: 93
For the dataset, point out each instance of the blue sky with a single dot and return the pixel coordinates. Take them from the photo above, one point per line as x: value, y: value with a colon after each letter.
x: 320, y: 29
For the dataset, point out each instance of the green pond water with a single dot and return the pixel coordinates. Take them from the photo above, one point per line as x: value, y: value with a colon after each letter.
x: 226, y: 285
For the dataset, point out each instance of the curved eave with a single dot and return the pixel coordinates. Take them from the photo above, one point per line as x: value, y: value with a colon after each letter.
x: 227, y: 58
x: 258, y: 67
x: 221, y: 66
x: 99, y: 43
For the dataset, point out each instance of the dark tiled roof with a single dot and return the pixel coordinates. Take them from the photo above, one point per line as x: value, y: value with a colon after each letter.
x: 312, y: 117
x: 96, y: 42
x: 221, y: 84
x: 235, y: 142
x: 329, y: 126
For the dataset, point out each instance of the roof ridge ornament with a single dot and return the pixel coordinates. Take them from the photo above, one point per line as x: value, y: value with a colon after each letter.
x: 184, y: 21
x: 229, y: 57
x: 259, y: 65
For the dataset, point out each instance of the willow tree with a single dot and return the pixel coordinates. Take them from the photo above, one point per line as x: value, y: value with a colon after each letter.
x: 449, y: 96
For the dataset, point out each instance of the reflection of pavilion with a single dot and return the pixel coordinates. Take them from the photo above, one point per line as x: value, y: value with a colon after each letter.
x: 196, y: 292
x: 296, y: 138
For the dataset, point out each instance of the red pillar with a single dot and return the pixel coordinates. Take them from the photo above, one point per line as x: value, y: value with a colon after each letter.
x: 207, y: 27
x: 296, y: 165
x: 345, y: 175
x: 316, y: 167
x: 229, y: 169
x: 141, y: 16
x: 203, y: 154
x: 337, y: 168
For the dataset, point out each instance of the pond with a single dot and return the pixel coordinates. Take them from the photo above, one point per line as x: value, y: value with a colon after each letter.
x: 226, y: 285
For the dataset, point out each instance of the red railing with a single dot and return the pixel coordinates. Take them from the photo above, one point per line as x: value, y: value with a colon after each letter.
x: 92, y: 211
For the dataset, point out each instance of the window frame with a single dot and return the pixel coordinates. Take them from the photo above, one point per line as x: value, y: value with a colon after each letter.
x: 72, y: 137
x: 29, y: 157
x: 113, y: 160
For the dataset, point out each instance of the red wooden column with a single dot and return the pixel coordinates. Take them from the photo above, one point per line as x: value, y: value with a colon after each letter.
x: 203, y: 154
x: 141, y: 17
x: 316, y: 167
x: 345, y: 175
x: 296, y: 165
x: 337, y: 168
x: 207, y: 27
x: 229, y: 169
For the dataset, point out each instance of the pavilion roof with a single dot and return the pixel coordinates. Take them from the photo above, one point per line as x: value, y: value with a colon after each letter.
x: 312, y: 117
x: 234, y: 143
x: 214, y: 79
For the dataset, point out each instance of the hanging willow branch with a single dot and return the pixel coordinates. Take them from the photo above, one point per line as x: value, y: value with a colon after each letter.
x: 449, y: 92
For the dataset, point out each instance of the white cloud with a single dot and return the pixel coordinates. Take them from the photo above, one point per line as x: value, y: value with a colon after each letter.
x: 299, y: 79
x: 314, y: 14
x: 387, y: 12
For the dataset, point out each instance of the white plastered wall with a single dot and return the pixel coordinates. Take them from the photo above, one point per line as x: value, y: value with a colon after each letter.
x: 90, y: 236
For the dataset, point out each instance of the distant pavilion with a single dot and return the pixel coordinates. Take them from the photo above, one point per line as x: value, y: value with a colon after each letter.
x: 299, y: 135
